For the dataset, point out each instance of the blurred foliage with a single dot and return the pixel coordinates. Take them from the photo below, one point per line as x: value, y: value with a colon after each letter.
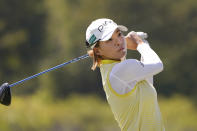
x: 38, y: 34
x: 40, y: 112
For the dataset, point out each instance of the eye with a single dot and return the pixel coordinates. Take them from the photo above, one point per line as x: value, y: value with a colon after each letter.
x: 120, y: 34
x: 110, y: 39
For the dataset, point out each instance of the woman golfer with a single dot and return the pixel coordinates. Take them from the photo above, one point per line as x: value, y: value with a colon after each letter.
x: 128, y: 83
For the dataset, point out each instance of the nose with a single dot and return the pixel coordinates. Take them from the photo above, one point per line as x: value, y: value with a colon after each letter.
x: 119, y: 41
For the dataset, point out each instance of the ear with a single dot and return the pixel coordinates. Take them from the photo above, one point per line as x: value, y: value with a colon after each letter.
x: 97, y: 51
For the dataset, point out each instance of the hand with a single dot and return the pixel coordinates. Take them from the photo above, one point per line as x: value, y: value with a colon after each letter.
x: 132, y: 40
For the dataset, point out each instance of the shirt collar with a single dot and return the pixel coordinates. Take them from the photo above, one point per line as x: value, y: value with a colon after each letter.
x: 109, y: 61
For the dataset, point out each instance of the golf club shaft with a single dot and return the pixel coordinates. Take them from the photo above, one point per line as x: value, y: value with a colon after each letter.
x: 48, y: 70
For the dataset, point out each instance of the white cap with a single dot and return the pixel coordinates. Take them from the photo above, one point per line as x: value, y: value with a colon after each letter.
x: 101, y: 30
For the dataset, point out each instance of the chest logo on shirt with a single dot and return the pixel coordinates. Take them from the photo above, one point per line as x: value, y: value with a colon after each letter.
x: 142, y: 64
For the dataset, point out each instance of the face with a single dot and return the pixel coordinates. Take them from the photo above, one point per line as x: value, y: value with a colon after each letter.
x: 113, y: 48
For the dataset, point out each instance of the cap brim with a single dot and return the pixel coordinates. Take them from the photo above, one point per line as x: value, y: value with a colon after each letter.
x: 120, y: 27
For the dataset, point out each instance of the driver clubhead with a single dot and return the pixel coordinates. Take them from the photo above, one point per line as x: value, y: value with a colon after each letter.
x: 5, y: 94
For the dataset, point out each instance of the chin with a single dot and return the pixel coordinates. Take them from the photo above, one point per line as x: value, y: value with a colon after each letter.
x: 124, y: 53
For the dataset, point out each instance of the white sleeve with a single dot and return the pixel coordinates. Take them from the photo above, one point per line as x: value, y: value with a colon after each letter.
x: 134, y: 70
x: 149, y: 79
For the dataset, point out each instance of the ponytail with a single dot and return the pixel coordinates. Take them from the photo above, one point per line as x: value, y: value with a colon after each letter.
x: 95, y: 58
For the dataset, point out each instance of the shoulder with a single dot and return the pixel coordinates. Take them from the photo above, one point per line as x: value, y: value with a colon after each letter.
x: 128, y: 63
x: 125, y: 66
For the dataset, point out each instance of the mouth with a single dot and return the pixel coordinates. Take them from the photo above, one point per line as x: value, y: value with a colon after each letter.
x: 121, y: 49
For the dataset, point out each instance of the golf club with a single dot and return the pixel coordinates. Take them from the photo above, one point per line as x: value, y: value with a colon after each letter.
x: 5, y: 93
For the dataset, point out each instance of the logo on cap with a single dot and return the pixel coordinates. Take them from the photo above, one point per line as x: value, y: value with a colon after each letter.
x: 100, y: 28
x: 92, y: 39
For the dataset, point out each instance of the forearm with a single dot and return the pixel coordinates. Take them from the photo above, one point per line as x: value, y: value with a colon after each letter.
x: 148, y: 54
x: 149, y: 78
x: 151, y: 63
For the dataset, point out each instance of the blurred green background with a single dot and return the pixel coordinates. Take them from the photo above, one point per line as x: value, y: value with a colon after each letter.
x: 38, y: 34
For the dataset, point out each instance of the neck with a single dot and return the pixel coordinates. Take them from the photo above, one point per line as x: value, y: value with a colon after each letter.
x: 107, y: 58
